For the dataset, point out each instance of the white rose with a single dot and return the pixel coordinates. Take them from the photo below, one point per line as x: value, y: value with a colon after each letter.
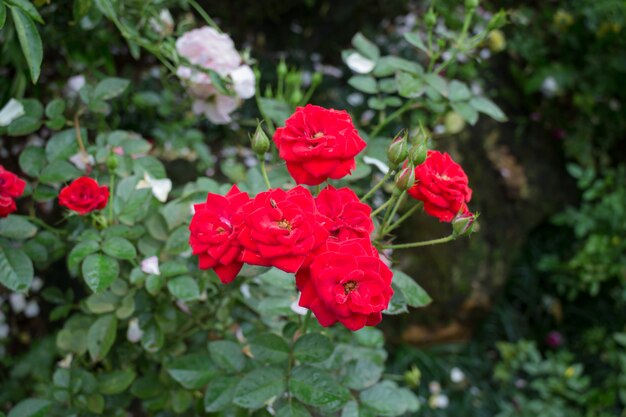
x: 243, y: 81
x: 217, y: 109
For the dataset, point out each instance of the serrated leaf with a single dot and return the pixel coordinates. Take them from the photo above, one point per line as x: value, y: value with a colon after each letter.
x: 17, y: 227
x: 110, y: 88
x: 268, y: 347
x: 259, y: 386
x: 467, y: 112
x: 366, y: 47
x: 16, y: 269
x: 30, y: 41
x: 293, y: 409
x: 99, y: 271
x: 115, y: 382
x: 193, y: 371
x: 227, y: 355
x: 316, y: 387
x: 31, y: 407
x: 488, y: 107
x: 101, y: 336
x: 386, y: 399
x: 184, y: 288
x: 313, y: 347
x: 459, y: 91
x: 414, y: 294
x: 32, y: 160
x: 119, y: 248
x: 415, y: 39
x: 219, y: 393
x: 409, y: 85
x: 438, y: 83
x: 59, y: 171
x: 364, y: 83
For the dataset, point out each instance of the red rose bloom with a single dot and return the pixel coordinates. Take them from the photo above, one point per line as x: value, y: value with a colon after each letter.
x: 281, y: 228
x: 442, y: 185
x: 318, y: 144
x: 84, y: 195
x: 349, y: 218
x: 346, y: 282
x: 11, y: 186
x: 214, y: 228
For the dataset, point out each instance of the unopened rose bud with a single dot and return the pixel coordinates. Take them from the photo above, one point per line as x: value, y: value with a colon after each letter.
x: 398, y: 150
x: 463, y: 224
x: 281, y: 69
x: 413, y: 376
x: 259, y: 141
x: 471, y: 4
x: 418, y: 154
x: 112, y: 162
x: 405, y: 178
x: 430, y: 19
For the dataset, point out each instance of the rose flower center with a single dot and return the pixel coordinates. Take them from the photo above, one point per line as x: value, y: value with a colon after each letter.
x: 284, y: 224
x: 350, y: 286
x: 318, y: 135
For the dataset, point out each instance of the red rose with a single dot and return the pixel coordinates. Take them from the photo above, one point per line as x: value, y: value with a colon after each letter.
x: 84, y: 195
x: 318, y: 144
x: 349, y: 218
x: 214, y: 228
x: 11, y: 186
x: 281, y: 228
x: 346, y: 282
x: 442, y: 185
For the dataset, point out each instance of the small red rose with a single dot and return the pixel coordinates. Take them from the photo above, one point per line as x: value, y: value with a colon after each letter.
x: 442, y: 185
x: 281, y: 228
x: 346, y: 282
x: 318, y: 144
x: 214, y: 228
x: 349, y: 218
x: 11, y: 187
x: 84, y: 195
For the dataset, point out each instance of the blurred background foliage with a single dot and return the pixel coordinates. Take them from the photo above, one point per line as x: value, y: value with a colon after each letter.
x: 528, y: 316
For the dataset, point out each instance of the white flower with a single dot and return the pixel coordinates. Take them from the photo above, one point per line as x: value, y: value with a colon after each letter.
x: 456, y: 375
x: 243, y: 81
x: 549, y: 87
x: 151, y: 266
x: 66, y: 362
x: 74, y: 84
x: 377, y: 163
x: 439, y: 401
x: 245, y: 291
x: 360, y: 64
x: 134, y: 332
x: 82, y: 160
x: 434, y: 387
x: 36, y: 284
x: 217, y: 109
x: 11, y: 111
x: 32, y: 309
x: 18, y: 302
x: 160, y: 188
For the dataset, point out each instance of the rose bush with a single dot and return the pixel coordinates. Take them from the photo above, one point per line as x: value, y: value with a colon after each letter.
x: 137, y: 314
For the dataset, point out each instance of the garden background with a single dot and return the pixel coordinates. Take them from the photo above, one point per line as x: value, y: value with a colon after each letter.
x: 527, y: 313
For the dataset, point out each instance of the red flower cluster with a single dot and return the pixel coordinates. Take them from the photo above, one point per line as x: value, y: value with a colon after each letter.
x: 325, y: 241
x: 11, y: 187
x: 318, y: 144
x: 84, y: 195
x: 443, y: 186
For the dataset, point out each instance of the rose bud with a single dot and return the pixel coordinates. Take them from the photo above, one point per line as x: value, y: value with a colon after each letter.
x: 430, y: 19
x: 405, y: 178
x: 463, y: 223
x: 259, y: 141
x: 471, y: 4
x: 418, y: 154
x: 398, y: 150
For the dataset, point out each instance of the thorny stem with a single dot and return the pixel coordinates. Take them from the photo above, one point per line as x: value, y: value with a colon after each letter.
x: 418, y: 244
x: 377, y: 186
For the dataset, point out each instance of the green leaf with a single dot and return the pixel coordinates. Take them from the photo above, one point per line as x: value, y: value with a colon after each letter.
x: 459, y: 91
x: 386, y: 399
x: 24, y: 126
x: 219, y: 393
x: 415, y: 39
x: 184, y: 288
x: 110, y: 88
x: 63, y: 144
x: 193, y: 371
x: 95, y: 403
x: 99, y: 271
x: 115, y: 382
x: 31, y: 407
x: 313, y: 347
x: 366, y: 47
x: 268, y: 347
x: 277, y: 110
x: 119, y: 248
x: 17, y: 227
x: 409, y: 85
x: 80, y: 252
x: 3, y: 14
x: 389, y: 65
x: 227, y: 355
x: 178, y: 241
x: 32, y: 160
x: 101, y: 336
x: 59, y: 171
x: 16, y: 269
x: 438, y: 83
x: 414, y: 294
x: 316, y: 387
x: 364, y: 83
x: 30, y: 41
x: 81, y: 8
x: 466, y: 111
x: 488, y: 107
x: 106, y: 7
x: 258, y: 387
x: 55, y: 108
x: 27, y: 7
x: 362, y: 373
x: 104, y: 302
x: 293, y: 409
